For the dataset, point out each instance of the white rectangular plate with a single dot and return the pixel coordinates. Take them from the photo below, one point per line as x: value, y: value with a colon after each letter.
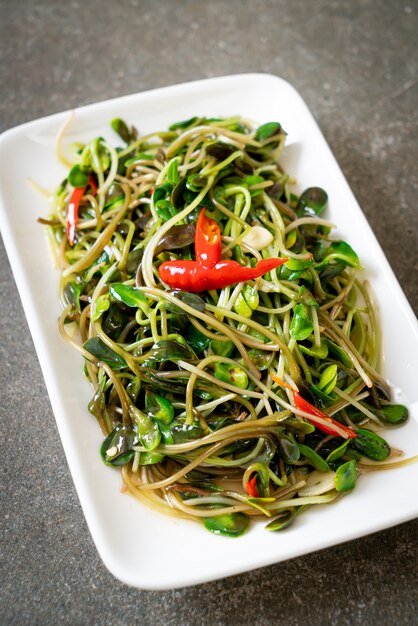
x: 139, y: 546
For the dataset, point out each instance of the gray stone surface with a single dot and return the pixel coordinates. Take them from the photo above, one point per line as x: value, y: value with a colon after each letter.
x: 355, y: 63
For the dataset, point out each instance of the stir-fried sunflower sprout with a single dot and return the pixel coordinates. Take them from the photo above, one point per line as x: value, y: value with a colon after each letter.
x: 220, y: 401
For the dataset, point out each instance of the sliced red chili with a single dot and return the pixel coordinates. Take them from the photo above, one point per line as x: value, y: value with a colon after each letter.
x: 194, y: 277
x: 251, y: 487
x: 207, y: 241
x: 72, y: 213
x: 307, y: 407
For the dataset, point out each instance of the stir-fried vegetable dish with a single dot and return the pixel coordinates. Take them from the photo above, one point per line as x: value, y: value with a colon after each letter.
x: 231, y: 344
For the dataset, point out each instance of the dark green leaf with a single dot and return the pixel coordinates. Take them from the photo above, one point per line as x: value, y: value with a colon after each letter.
x: 116, y: 449
x: 289, y: 449
x: 103, y: 353
x: 196, y: 340
x: 313, y: 201
x: 177, y: 199
x: 179, y: 236
x: 220, y: 151
x: 72, y: 293
x: 169, y: 350
x: 134, y: 259
x: 191, y: 299
x: 284, y: 520
x: 371, y: 445
x: 160, y: 193
x: 115, y: 320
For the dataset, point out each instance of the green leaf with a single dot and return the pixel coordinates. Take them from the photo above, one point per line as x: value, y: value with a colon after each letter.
x: 338, y: 452
x: 328, y: 379
x: 222, y: 348
x: 196, y: 182
x: 133, y: 388
x: 371, y: 445
x: 121, y: 129
x: 179, y: 236
x: 129, y: 295
x: 345, y: 476
x: 158, y: 407
x: 343, y: 252
x: 261, y: 359
x: 160, y: 192
x: 97, y: 146
x: 231, y: 374
x: 305, y: 297
x: 164, y: 209
x: 184, y: 124
x: 148, y: 432
x: 254, y: 180
x: 78, y: 177
x: 72, y: 293
x: 297, y: 265
x: 100, y: 306
x: 319, y: 352
x: 393, y: 413
x: 283, y: 520
x: 103, y: 353
x: 313, y: 457
x: 150, y: 458
x: 338, y: 353
x: 265, y: 131
x: 289, y: 449
x: 301, y: 325
x: 247, y: 301
x: 232, y: 525
x: 173, y: 173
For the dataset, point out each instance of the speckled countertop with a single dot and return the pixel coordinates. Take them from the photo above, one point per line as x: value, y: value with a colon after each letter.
x: 355, y: 64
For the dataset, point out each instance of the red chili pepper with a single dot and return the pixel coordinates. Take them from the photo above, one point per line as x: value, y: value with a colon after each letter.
x: 306, y: 406
x: 72, y: 214
x: 192, y: 276
x: 251, y: 487
x: 207, y: 242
